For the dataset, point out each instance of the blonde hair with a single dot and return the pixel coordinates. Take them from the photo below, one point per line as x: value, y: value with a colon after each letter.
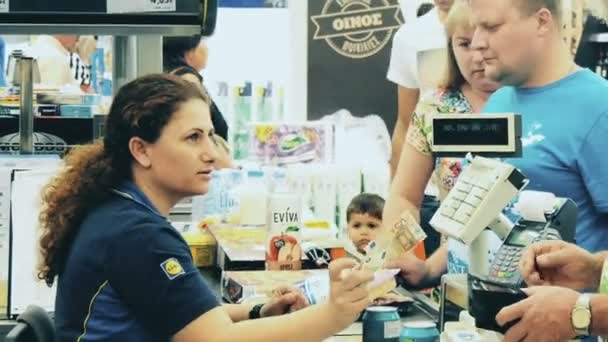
x: 459, y: 17
x: 223, y: 144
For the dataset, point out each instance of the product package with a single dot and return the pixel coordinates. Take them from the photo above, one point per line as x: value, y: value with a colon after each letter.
x: 290, y: 143
x: 239, y: 286
x: 283, y: 244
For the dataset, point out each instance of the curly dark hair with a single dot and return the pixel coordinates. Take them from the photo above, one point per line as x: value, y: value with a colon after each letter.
x: 142, y: 108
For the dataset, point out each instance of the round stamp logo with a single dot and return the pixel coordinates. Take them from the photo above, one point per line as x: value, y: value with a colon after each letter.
x: 357, y: 28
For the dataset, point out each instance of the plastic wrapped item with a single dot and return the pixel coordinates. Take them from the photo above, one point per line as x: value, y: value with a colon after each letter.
x: 253, y: 199
x: 360, y: 141
x: 299, y: 180
x: 324, y: 193
x: 465, y: 331
x: 242, y: 117
x: 291, y: 143
x: 377, y: 179
x: 348, y: 186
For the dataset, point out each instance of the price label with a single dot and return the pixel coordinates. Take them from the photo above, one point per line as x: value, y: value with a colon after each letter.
x: 140, y: 6
x: 3, y: 6
x: 161, y: 5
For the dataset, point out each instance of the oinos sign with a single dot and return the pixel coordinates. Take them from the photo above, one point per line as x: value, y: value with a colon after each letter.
x: 357, y: 28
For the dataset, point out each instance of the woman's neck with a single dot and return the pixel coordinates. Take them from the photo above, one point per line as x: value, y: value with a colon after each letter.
x: 162, y: 201
x: 442, y: 16
x: 477, y: 98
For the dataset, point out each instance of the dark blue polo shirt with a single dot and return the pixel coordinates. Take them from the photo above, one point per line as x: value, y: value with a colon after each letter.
x: 129, y: 276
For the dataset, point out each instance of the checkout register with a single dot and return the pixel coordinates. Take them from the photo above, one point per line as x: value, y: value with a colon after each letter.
x: 474, y: 207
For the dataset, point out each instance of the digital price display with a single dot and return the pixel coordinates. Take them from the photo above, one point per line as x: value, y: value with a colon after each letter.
x: 480, y: 134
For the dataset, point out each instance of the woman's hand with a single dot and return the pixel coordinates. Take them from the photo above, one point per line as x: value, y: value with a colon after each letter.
x: 413, y: 270
x: 349, y: 294
x: 284, y: 300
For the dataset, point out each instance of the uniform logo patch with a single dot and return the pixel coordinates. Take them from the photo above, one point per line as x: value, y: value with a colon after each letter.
x: 172, y: 268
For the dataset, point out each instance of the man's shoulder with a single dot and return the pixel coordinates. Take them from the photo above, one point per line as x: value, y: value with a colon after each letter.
x: 590, y: 91
x: 502, y: 94
x: 499, y: 100
x: 590, y: 81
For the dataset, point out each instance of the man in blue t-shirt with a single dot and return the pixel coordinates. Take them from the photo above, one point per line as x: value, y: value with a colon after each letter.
x: 565, y: 121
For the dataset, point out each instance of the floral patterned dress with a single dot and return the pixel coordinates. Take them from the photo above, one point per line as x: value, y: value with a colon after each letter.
x: 420, y: 134
x: 447, y: 170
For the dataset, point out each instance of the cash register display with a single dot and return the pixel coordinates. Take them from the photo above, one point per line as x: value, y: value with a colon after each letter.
x: 522, y: 238
x: 480, y: 131
x: 491, y: 135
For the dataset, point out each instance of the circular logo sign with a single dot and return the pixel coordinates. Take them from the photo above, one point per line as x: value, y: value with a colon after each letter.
x: 357, y: 28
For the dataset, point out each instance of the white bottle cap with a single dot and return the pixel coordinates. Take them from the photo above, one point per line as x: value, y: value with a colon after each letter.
x: 466, y: 318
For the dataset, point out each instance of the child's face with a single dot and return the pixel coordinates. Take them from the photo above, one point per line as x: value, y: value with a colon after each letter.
x: 362, y: 229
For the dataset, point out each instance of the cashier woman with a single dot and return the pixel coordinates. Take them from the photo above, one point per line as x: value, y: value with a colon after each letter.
x: 124, y: 274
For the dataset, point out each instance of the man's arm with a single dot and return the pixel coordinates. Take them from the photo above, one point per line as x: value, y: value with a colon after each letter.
x: 561, y: 264
x: 599, y: 315
x: 407, y: 100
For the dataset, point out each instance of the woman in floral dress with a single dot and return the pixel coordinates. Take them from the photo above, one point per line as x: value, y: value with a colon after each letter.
x: 465, y: 90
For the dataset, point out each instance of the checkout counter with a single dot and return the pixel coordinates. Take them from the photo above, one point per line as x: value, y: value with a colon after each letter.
x: 237, y: 273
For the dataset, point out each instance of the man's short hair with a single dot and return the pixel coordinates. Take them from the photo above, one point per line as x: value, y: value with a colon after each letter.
x: 531, y: 6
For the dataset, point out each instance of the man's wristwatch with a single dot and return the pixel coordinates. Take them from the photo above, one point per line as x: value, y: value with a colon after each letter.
x: 254, y: 313
x: 581, y: 315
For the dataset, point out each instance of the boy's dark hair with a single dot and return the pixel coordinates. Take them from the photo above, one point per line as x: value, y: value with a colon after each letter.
x: 365, y: 203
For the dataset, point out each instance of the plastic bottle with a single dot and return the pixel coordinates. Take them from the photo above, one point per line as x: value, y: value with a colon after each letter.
x: 253, y: 199
x: 463, y: 330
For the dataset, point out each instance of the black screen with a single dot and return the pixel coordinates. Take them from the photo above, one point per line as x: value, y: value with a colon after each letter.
x: 475, y: 132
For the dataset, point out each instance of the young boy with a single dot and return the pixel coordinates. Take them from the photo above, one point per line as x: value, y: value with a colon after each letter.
x: 364, y: 218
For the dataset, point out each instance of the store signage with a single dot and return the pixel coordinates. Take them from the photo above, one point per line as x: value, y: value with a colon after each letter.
x: 4, y: 6
x: 138, y: 6
x: 357, y: 28
x: 348, y: 53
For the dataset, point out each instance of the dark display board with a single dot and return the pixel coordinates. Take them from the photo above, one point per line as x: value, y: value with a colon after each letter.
x: 349, y: 47
x: 94, y: 12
